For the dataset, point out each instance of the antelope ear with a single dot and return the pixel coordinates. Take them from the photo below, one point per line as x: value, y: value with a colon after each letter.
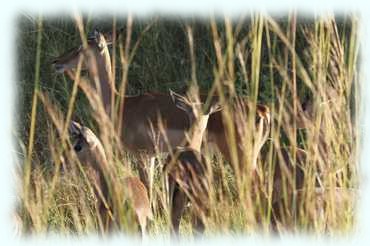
x: 92, y: 36
x: 215, y: 107
x: 180, y: 101
x: 74, y: 128
x: 89, y: 136
x: 78, y: 146
x: 100, y: 40
x: 96, y: 32
x: 108, y: 36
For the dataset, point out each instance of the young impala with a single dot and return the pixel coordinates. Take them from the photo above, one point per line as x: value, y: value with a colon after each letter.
x: 91, y: 155
x: 140, y: 116
x: 186, y: 168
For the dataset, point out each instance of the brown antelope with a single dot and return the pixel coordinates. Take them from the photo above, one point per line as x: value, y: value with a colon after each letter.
x: 186, y: 167
x: 141, y: 113
x: 91, y: 154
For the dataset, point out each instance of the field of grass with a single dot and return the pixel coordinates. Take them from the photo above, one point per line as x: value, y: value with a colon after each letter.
x: 284, y: 62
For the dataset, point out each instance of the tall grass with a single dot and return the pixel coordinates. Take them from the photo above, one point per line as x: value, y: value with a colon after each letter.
x: 282, y: 62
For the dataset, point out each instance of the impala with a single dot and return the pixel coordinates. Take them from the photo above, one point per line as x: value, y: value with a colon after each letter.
x: 91, y: 155
x: 186, y: 166
x: 141, y: 113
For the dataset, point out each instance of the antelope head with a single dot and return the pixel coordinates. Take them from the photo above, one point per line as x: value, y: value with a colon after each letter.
x: 198, y: 117
x: 96, y: 46
x: 87, y: 146
x: 96, y: 59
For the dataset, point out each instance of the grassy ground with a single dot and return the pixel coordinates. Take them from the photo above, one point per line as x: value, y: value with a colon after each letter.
x: 280, y: 61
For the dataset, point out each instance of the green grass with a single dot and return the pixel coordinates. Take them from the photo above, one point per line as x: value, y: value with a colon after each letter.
x: 277, y: 61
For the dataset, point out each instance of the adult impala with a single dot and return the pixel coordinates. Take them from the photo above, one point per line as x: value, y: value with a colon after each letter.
x: 141, y: 113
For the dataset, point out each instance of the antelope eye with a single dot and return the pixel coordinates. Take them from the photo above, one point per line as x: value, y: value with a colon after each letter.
x: 77, y: 147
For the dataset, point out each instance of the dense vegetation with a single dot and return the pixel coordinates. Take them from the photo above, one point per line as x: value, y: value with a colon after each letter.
x: 282, y: 62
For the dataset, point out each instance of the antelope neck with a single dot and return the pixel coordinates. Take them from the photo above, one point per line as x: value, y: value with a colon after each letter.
x: 196, y: 132
x: 104, y: 73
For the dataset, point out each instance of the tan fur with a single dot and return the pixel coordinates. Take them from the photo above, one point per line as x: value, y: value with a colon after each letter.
x: 138, y: 195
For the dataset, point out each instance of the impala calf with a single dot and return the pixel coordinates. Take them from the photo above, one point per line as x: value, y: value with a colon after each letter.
x: 91, y: 154
x: 187, y: 168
